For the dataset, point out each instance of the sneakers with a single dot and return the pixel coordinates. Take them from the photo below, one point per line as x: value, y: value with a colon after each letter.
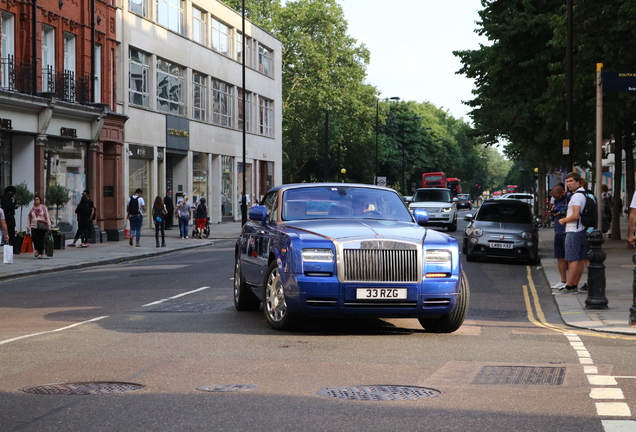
x: 130, y: 242
x: 566, y: 290
x: 71, y: 245
x: 558, y: 285
x: 584, y: 288
x: 138, y: 245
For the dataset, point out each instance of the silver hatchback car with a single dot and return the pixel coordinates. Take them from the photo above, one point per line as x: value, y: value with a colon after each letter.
x: 504, y: 229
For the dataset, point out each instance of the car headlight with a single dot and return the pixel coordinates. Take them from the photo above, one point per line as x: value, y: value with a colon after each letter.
x: 438, y: 256
x: 526, y: 235
x: 317, y: 255
x: 476, y: 232
x: 447, y: 209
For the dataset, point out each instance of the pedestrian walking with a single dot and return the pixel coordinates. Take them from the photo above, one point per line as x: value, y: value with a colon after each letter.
x: 38, y: 223
x: 223, y: 202
x: 169, y: 203
x: 159, y: 217
x: 183, y: 215
x: 631, y: 225
x: 576, y: 245
x: 78, y: 233
x: 3, y: 227
x: 84, y: 214
x: 558, y: 211
x: 135, y: 208
x: 201, y: 216
x: 9, y: 204
x: 606, y: 199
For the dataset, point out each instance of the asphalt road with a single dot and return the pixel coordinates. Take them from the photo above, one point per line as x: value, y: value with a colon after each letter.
x: 168, y: 323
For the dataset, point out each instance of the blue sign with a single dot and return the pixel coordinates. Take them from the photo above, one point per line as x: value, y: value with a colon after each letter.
x: 618, y: 82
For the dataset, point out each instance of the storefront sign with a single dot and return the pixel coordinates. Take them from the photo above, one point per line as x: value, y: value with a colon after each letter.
x: 141, y: 152
x: 5, y: 124
x: 618, y: 82
x: 68, y: 132
x: 177, y: 133
x: 109, y: 191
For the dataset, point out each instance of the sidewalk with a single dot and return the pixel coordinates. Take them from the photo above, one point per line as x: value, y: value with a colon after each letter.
x: 114, y: 252
x: 619, y: 276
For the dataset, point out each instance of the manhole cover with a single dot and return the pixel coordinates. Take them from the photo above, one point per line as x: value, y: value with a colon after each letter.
x: 379, y: 392
x: 227, y: 387
x: 520, y: 375
x: 84, y: 388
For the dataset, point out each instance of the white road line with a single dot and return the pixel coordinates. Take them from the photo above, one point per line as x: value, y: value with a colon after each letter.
x: 619, y: 425
x: 614, y: 409
x: 52, y: 331
x: 601, y: 380
x: 590, y: 369
x: 606, y: 393
x: 177, y: 296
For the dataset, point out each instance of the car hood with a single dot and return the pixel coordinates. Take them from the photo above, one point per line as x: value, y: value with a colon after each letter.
x: 340, y: 229
x: 425, y: 204
x: 503, y: 227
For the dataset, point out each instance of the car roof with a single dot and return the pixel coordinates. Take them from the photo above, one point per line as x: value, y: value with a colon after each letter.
x: 421, y: 189
x: 304, y: 185
x: 500, y: 202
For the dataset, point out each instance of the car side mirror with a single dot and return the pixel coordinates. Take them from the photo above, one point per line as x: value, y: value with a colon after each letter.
x: 258, y: 214
x: 537, y: 222
x: 455, y: 200
x: 469, y: 217
x: 421, y: 216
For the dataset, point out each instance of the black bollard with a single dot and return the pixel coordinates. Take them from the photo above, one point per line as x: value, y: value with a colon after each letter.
x: 596, y: 273
x: 632, y: 310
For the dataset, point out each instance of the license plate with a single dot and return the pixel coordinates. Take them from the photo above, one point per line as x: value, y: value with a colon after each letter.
x: 381, y: 293
x: 501, y: 245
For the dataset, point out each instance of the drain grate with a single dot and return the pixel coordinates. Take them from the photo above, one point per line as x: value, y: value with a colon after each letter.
x: 227, y: 387
x: 520, y: 375
x: 84, y: 388
x: 379, y: 392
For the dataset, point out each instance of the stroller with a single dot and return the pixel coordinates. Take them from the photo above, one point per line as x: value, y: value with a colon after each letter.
x: 206, y: 230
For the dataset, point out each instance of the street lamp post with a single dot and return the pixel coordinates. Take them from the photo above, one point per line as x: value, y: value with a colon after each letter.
x: 377, y: 128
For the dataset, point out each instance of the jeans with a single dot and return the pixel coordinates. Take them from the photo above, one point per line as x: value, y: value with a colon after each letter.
x: 160, y: 227
x: 135, y: 226
x: 183, y: 225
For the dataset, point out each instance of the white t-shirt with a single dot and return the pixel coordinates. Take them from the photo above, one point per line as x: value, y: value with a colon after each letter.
x: 577, y: 199
x: 633, y: 204
x: 141, y: 203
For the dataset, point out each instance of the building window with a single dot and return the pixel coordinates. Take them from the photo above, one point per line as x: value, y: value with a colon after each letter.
x: 169, y: 87
x: 265, y: 60
x: 199, y: 26
x: 7, y: 48
x: 48, y: 58
x: 222, y: 103
x: 265, y: 116
x: 244, y: 113
x: 97, y: 80
x: 138, y: 78
x: 170, y: 14
x: 139, y: 7
x: 199, y: 177
x: 199, y: 99
x: 220, y: 37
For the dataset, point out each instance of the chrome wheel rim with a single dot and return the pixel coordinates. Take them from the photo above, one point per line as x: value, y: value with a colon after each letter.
x: 274, y: 297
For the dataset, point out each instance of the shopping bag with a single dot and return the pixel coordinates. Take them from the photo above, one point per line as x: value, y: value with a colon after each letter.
x: 49, y: 244
x: 27, y: 244
x: 8, y: 254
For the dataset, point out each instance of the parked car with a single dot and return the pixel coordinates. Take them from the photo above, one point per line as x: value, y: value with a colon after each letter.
x: 360, y: 252
x: 442, y: 211
x: 463, y: 201
x: 502, y: 228
x: 407, y: 199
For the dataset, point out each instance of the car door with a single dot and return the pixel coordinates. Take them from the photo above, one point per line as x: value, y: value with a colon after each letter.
x: 258, y: 242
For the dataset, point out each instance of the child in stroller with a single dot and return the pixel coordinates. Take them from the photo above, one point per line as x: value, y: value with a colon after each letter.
x: 202, y: 226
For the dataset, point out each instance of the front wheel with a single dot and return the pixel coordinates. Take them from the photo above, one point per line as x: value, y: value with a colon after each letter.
x: 451, y: 322
x: 274, y: 303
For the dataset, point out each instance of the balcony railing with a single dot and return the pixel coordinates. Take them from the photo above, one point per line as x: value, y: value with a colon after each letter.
x: 66, y: 85
x: 16, y: 76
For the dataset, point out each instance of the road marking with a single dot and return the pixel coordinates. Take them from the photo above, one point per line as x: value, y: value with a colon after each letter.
x: 51, y: 331
x: 606, y: 393
x: 601, y: 380
x: 619, y: 425
x: 174, y: 297
x: 613, y: 409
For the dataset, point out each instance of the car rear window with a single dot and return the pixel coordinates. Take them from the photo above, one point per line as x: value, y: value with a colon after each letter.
x: 496, y: 212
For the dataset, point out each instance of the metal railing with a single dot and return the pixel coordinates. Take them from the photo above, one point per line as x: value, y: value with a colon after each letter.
x: 16, y: 75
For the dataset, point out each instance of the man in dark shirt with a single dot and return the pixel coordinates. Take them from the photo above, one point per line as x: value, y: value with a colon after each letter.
x: 9, y: 203
x: 91, y: 205
x: 170, y: 208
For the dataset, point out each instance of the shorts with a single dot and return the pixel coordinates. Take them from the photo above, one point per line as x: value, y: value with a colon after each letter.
x: 576, y: 246
x: 559, y: 245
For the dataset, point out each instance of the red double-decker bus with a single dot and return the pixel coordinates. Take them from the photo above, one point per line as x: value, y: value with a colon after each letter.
x: 454, y: 184
x: 434, y: 179
x: 512, y: 189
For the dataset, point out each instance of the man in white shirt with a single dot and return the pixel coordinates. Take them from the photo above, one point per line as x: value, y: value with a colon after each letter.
x: 632, y: 221
x: 576, y: 245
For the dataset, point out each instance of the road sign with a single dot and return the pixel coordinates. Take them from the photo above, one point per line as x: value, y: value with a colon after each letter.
x: 380, y: 181
x: 566, y: 146
x: 616, y: 82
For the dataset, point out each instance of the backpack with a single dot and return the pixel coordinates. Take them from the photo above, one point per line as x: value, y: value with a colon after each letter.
x: 589, y: 215
x: 133, y: 206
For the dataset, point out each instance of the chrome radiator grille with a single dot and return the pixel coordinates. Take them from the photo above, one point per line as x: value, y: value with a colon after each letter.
x: 378, y: 265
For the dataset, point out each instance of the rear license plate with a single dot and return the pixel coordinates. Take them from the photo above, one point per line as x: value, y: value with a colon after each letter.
x: 501, y: 245
x: 381, y: 293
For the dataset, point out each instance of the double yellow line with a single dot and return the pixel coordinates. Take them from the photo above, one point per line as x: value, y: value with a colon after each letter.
x: 536, y: 316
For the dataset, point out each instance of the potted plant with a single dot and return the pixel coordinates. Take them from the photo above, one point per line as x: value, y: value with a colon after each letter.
x: 59, y: 239
x: 56, y: 196
x: 23, y: 197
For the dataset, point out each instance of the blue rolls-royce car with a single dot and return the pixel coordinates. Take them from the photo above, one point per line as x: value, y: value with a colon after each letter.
x: 325, y: 249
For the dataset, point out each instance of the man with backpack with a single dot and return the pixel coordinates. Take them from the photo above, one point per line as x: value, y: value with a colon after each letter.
x: 135, y: 208
x: 576, y: 245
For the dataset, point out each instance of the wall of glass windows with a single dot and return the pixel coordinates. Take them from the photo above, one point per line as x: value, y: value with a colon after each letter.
x: 227, y: 188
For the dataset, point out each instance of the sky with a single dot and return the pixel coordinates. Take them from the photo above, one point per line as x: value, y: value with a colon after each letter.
x: 411, y: 44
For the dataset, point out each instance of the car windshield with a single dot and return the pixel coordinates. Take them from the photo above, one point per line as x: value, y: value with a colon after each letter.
x: 502, y: 212
x: 343, y: 202
x: 437, y: 195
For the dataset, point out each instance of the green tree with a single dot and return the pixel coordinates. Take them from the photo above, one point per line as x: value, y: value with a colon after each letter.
x: 23, y: 197
x: 57, y: 196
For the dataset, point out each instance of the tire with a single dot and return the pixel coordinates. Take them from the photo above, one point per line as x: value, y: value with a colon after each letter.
x: 244, y: 298
x: 535, y: 260
x: 274, y: 303
x: 453, y: 227
x: 451, y: 322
